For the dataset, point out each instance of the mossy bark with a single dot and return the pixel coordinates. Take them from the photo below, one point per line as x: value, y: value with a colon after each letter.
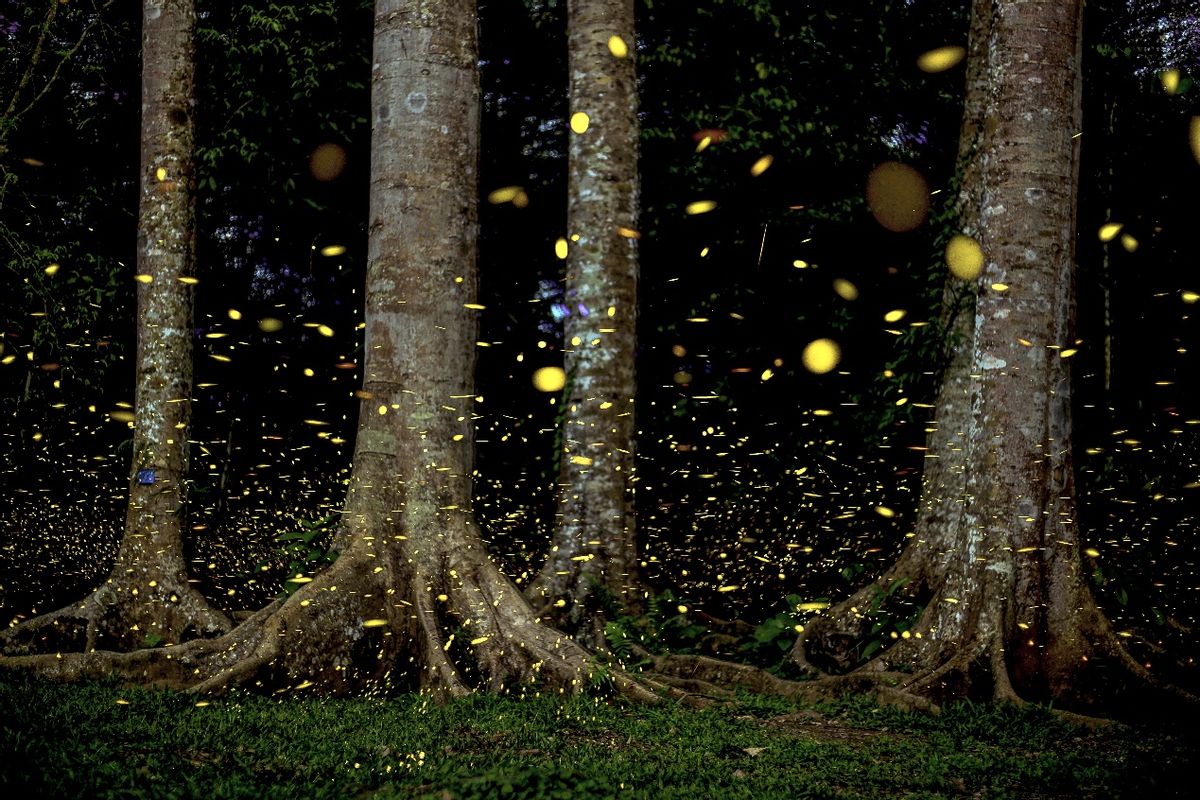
x: 147, y: 598
x: 592, y: 562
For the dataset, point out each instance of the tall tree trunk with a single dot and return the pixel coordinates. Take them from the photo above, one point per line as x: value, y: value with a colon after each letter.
x: 592, y: 561
x: 413, y: 598
x: 147, y: 598
x: 996, y: 557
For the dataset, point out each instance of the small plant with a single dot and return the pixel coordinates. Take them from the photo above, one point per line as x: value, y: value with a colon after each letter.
x: 772, y: 639
x: 306, y: 550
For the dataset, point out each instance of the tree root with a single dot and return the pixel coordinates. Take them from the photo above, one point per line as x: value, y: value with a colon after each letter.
x: 702, y: 671
x: 166, y: 614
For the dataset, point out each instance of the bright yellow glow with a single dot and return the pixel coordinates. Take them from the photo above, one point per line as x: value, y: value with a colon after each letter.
x: 234, y: 313
x: 700, y: 207
x: 325, y: 330
x: 160, y: 173
x: 814, y: 606
x: 941, y: 59
x: 964, y: 257
x: 582, y: 461
x: 580, y: 122
x: 1170, y: 80
x: 1109, y: 231
x: 144, y: 278
x: 549, y: 379
x: 885, y: 512
x: 333, y: 250
x: 50, y: 270
x: 895, y: 315
x: 617, y: 46
x: 506, y: 194
x: 374, y: 623
x: 1129, y: 243
x: 845, y: 289
x: 269, y: 324
x: 1190, y: 297
x: 762, y: 165
x: 560, y: 249
x: 821, y: 355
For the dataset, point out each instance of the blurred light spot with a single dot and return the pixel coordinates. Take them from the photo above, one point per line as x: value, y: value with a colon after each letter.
x: 1129, y: 243
x: 269, y: 324
x: 580, y: 122
x: 845, y: 289
x: 821, y: 355
x: 1109, y: 231
x: 941, y: 59
x: 52, y: 269
x: 160, y: 173
x: 327, y: 161
x: 964, y: 257
x: 617, y: 46
x: 144, y: 278
x: 506, y: 194
x: 549, y: 379
x: 560, y: 248
x: 897, y: 196
x: 1170, y: 80
x: 762, y: 165
x: 325, y: 330
x: 700, y: 207
x: 333, y: 250
x: 234, y: 313
x: 885, y: 512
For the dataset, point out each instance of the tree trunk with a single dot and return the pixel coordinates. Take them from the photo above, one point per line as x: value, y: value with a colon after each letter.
x: 413, y: 599
x: 592, y: 562
x: 995, y: 559
x: 147, y: 599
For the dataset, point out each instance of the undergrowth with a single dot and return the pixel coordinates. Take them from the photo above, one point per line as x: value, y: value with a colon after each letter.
x: 98, y: 740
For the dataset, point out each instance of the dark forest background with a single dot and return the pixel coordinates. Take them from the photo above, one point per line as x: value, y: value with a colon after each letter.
x: 753, y: 472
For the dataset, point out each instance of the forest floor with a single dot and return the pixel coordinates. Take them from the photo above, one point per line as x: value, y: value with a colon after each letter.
x: 100, y: 741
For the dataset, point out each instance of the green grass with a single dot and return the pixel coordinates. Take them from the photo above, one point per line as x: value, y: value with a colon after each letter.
x: 80, y: 741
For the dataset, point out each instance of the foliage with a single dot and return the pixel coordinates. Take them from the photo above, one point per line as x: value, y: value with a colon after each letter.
x: 304, y: 551
x: 101, y: 741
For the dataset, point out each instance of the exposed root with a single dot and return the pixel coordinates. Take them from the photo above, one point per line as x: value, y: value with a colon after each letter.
x: 829, y: 640
x: 165, y: 614
x: 725, y: 675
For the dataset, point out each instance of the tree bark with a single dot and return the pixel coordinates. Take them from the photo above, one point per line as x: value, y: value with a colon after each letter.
x: 147, y: 598
x: 593, y: 561
x: 413, y: 599
x: 995, y: 558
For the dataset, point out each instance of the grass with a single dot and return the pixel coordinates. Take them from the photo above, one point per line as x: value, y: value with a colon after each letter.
x: 97, y: 740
